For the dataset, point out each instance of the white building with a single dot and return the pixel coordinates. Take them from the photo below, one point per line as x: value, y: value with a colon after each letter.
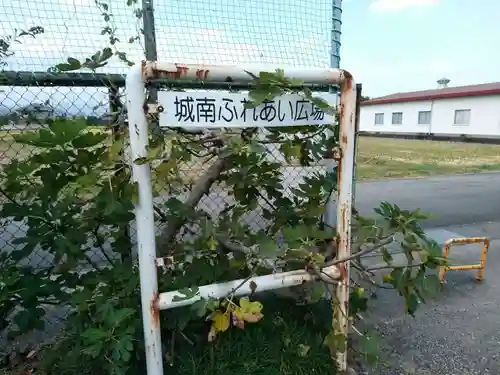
x: 449, y: 111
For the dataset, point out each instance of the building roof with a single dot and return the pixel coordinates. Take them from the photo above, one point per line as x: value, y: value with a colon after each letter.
x: 444, y: 93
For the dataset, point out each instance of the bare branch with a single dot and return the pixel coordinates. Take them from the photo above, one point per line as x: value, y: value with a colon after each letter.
x: 201, y: 188
x: 366, y: 251
x: 383, y: 267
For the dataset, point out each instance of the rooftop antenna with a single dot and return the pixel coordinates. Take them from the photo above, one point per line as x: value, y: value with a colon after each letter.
x: 443, y: 83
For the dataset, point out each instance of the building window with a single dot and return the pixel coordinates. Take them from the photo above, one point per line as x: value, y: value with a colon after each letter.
x: 462, y: 117
x: 424, y: 117
x: 379, y: 119
x: 397, y: 118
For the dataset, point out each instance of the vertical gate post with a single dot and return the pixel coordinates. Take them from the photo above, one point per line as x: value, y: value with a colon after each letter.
x: 345, y: 184
x: 144, y: 216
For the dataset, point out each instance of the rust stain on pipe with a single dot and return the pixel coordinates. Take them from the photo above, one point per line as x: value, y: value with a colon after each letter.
x: 343, y: 139
x: 151, y: 70
x: 343, y: 271
x: 177, y: 71
x: 341, y: 110
x: 155, y: 310
x: 346, y: 79
x: 345, y: 221
x: 202, y: 74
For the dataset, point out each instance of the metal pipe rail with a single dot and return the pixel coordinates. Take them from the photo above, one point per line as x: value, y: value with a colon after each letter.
x: 466, y: 267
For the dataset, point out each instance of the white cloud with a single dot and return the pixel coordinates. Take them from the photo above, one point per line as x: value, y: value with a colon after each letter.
x: 398, y: 5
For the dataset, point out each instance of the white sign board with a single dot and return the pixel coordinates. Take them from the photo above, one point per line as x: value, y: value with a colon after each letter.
x: 216, y: 109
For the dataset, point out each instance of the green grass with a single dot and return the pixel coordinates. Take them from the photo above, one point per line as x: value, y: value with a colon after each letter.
x: 287, y: 341
x: 381, y: 158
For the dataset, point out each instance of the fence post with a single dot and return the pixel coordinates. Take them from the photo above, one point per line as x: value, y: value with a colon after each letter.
x: 345, y: 187
x: 151, y: 52
x: 145, y: 224
x: 148, y: 25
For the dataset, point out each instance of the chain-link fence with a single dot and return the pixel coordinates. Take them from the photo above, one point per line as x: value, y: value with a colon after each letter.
x: 296, y: 32
x: 28, y: 103
x: 36, y: 36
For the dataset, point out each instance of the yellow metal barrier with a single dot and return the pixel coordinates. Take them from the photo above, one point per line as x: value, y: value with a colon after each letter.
x: 465, y: 241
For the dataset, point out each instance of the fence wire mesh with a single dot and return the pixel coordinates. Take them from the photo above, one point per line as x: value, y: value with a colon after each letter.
x: 36, y: 36
x: 294, y: 32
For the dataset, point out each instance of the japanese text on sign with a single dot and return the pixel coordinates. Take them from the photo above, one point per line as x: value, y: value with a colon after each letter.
x: 218, y: 109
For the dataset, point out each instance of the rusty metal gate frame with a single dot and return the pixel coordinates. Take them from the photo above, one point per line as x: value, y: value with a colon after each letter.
x: 151, y: 299
x: 466, y: 267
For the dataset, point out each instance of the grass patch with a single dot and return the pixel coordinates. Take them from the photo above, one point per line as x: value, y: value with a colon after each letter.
x: 287, y: 341
x: 380, y: 157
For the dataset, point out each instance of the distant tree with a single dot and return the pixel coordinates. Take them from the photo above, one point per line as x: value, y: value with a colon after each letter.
x: 363, y: 98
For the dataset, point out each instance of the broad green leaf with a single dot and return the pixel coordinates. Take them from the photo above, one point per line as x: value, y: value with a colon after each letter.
x: 141, y: 161
x: 266, y: 77
x: 411, y: 303
x: 64, y: 131
x: 121, y: 315
x: 29, y: 319
x: 116, y: 148
x: 291, y: 150
x: 267, y: 247
x: 94, y: 350
x: 88, y: 140
x: 200, y: 307
x: 370, y: 347
x: 432, y: 285
x: 131, y: 192
x: 106, y: 54
x: 386, y: 255
x: 74, y: 63
x: 334, y: 341
x: 316, y: 292
x: 357, y: 302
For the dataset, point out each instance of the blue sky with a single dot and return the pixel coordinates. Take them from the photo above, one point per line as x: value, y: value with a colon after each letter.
x: 389, y: 45
x: 404, y: 45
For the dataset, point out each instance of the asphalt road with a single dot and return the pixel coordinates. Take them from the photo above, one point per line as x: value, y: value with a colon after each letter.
x: 452, y: 200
